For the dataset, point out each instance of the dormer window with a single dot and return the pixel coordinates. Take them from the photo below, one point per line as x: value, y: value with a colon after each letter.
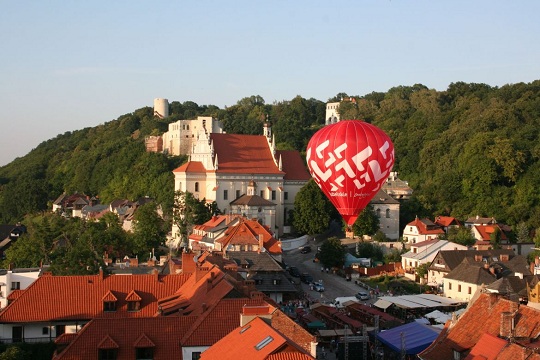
x: 133, y: 301
x: 109, y: 302
x: 109, y: 306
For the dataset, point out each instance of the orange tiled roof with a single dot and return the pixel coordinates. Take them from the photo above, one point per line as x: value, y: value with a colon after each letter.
x: 485, y: 231
x: 248, y: 154
x: 248, y: 232
x: 487, y: 348
x: 255, y: 340
x: 293, y: 165
x: 221, y: 320
x: 81, y: 297
x: 483, y: 316
x: 447, y: 221
x: 128, y: 334
x: 191, y: 167
x: 426, y: 227
x: 289, y: 356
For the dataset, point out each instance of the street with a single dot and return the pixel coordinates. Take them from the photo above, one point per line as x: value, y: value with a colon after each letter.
x: 335, y: 285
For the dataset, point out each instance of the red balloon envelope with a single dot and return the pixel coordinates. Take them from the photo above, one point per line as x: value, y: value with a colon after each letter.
x: 350, y: 160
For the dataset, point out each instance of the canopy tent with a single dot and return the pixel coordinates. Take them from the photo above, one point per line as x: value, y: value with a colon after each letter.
x: 415, y: 336
x: 438, y: 316
x: 382, y: 304
x: 316, y: 325
x: 416, y: 301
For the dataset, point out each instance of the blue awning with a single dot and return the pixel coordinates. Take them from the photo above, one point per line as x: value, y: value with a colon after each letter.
x: 416, y: 337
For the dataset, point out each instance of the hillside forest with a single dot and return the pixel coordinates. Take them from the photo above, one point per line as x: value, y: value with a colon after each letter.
x: 472, y: 149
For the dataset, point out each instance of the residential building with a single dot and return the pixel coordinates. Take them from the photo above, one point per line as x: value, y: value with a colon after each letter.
x: 421, y: 230
x: 256, y: 340
x: 447, y: 223
x: 15, y: 280
x: 473, y: 274
x: 387, y: 210
x: 492, y: 327
x: 423, y: 253
x: 396, y: 188
x: 9, y: 234
x: 54, y: 305
x: 223, y: 166
x: 447, y: 260
x: 483, y: 234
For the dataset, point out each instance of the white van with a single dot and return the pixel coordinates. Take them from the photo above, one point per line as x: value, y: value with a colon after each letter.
x: 343, y: 299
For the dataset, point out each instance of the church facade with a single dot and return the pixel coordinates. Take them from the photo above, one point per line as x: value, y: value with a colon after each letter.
x: 228, y: 167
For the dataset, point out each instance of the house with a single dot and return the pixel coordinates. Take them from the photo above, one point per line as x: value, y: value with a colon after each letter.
x: 387, y: 210
x: 447, y: 222
x: 512, y: 332
x: 15, y: 280
x: 472, y: 274
x: 396, y: 188
x: 206, y: 307
x: 477, y: 220
x: 234, y: 233
x: 447, y: 260
x: 256, y: 340
x: 72, y: 205
x: 533, y: 291
x: 483, y: 234
x: 423, y: 253
x: 260, y: 267
x: 223, y: 166
x: 421, y: 230
x: 9, y: 234
x: 54, y: 305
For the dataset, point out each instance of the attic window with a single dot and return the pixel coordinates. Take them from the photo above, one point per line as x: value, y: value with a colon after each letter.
x: 144, y: 353
x: 134, y: 306
x: 267, y: 340
x: 109, y: 306
x: 244, y: 329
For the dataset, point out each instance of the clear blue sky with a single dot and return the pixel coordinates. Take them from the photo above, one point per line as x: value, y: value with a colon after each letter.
x: 67, y: 65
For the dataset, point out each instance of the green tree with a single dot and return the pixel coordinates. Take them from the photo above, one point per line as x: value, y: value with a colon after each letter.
x: 312, y: 210
x: 14, y: 353
x: 422, y: 270
x: 394, y: 255
x: 369, y: 250
x: 367, y: 222
x: 332, y: 253
x: 148, y: 229
x: 462, y: 235
x: 495, y: 238
x: 188, y: 211
x: 522, y: 233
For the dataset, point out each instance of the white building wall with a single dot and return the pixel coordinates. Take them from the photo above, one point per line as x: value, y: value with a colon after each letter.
x: 161, y: 107
x: 332, y: 115
x: 459, y: 290
x: 188, y: 351
x: 9, y: 280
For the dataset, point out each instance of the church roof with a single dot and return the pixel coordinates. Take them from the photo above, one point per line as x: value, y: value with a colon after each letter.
x: 293, y: 165
x: 249, y: 154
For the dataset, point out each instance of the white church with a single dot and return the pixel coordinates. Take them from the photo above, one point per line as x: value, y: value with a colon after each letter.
x: 245, y: 175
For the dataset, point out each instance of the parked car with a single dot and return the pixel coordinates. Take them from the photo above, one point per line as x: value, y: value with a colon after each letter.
x: 305, y: 250
x: 293, y: 270
x: 306, y: 278
x: 362, y: 295
x: 317, y: 286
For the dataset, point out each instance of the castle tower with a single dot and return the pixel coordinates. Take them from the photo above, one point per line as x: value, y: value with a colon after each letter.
x: 161, y: 108
x: 332, y: 115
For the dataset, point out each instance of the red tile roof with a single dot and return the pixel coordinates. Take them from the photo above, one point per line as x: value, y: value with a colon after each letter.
x: 248, y: 154
x: 487, y: 347
x: 485, y: 231
x: 221, y: 320
x: 447, y: 221
x: 128, y: 334
x: 484, y: 316
x: 191, y: 167
x: 248, y: 232
x: 426, y: 227
x: 255, y: 340
x: 293, y: 165
x: 81, y: 297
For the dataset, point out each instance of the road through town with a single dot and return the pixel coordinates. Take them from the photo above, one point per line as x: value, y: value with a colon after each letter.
x: 335, y: 285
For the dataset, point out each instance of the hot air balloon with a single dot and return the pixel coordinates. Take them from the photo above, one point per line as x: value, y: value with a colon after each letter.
x: 350, y: 160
